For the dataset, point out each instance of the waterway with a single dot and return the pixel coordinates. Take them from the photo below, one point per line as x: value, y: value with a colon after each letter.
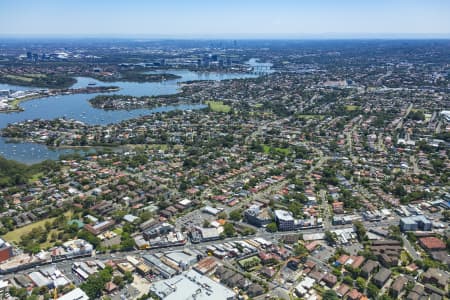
x: 77, y: 107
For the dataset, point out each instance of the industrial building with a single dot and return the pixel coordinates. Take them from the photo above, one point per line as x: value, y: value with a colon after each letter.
x: 191, y: 284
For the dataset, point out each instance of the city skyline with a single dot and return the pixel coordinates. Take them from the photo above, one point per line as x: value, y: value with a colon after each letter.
x: 233, y: 19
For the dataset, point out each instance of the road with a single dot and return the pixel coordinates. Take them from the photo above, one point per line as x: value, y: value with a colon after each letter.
x: 400, y: 123
x: 326, y: 210
x: 413, y: 162
x: 410, y: 249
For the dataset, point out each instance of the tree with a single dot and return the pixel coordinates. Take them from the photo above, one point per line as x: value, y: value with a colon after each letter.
x: 360, y: 231
x: 361, y: 284
x: 94, y: 285
x: 128, y: 277
x: 348, y: 280
x: 272, y: 227
x: 118, y: 280
x: 330, y: 237
x: 330, y: 295
x: 372, y: 290
x: 235, y: 215
x: 228, y: 230
x: 300, y: 249
x: 126, y: 242
x: 222, y: 215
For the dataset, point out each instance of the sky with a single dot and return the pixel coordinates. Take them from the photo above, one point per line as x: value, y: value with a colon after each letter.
x: 224, y: 18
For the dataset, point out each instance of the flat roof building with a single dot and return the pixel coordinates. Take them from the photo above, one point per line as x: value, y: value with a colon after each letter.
x: 191, y: 285
x: 285, y: 220
x: 76, y: 294
x: 415, y: 223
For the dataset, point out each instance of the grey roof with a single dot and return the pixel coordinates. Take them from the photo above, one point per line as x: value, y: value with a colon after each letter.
x: 159, y: 264
x: 382, y: 275
x: 39, y: 279
x: 191, y: 285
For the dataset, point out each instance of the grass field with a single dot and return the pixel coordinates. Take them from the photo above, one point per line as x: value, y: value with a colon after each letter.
x: 267, y: 148
x: 309, y: 117
x: 352, y: 107
x: 218, y: 106
x: 14, y: 236
x: 21, y: 78
x: 35, y: 177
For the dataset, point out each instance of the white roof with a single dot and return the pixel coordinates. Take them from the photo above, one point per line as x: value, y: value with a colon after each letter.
x: 76, y: 294
x: 283, y: 215
x: 185, y: 202
x: 191, y: 285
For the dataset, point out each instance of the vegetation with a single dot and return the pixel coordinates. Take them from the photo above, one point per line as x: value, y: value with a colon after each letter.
x: 45, y: 81
x: 13, y: 173
x: 330, y: 295
x: 228, y: 230
x: 138, y: 76
x: 218, y: 106
x: 41, y: 234
x: 95, y: 283
x: 272, y: 227
x: 249, y: 263
x: 235, y: 215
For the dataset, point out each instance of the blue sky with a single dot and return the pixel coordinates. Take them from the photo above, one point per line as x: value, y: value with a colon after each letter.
x: 184, y: 18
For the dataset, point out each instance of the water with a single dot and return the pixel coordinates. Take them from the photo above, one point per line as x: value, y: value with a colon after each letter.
x: 77, y: 107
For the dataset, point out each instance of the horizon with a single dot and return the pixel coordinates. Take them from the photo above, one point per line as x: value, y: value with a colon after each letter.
x: 249, y: 37
x: 200, y: 19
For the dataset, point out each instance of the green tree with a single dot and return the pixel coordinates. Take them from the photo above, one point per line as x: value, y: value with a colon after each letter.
x: 94, y: 285
x: 330, y: 295
x: 128, y: 277
x: 372, y: 290
x: 348, y: 280
x: 361, y: 284
x: 272, y: 227
x: 330, y: 237
x: 235, y: 215
x: 228, y: 230
x: 300, y: 249
x: 222, y: 215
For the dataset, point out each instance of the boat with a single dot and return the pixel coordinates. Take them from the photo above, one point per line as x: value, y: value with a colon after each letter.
x: 92, y: 83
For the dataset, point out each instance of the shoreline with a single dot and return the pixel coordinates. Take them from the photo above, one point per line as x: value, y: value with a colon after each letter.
x: 54, y: 93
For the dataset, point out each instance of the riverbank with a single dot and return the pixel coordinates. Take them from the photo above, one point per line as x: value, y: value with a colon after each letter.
x: 127, y: 102
x: 134, y: 77
x: 14, y: 105
x: 38, y: 80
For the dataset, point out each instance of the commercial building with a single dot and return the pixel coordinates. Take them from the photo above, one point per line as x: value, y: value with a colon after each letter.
x: 285, y: 220
x: 190, y: 285
x: 6, y: 251
x: 258, y: 216
x: 71, y: 249
x: 158, y: 230
x: 157, y: 265
x: 414, y: 223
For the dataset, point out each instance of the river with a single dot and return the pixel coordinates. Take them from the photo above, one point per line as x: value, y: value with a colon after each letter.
x: 77, y: 107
